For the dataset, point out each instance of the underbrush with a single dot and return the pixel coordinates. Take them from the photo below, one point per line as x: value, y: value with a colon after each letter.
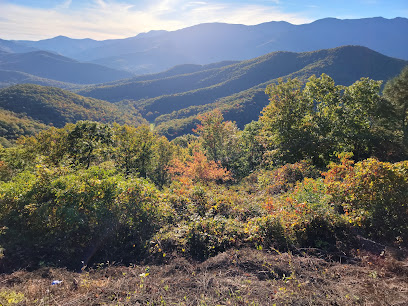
x: 75, y: 218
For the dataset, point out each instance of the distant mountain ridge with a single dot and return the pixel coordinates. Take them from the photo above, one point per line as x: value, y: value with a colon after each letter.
x: 7, y: 46
x: 214, y: 42
x: 10, y: 78
x: 48, y: 65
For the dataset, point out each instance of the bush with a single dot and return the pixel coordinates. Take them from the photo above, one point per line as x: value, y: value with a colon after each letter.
x: 59, y: 217
x: 199, y: 238
x: 284, y: 178
x: 307, y: 215
x: 373, y: 194
x: 268, y: 232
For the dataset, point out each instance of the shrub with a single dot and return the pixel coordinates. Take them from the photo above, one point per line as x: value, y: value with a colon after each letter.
x: 373, y: 194
x: 199, y: 238
x: 60, y: 217
x: 307, y: 215
x: 284, y: 178
x: 267, y: 232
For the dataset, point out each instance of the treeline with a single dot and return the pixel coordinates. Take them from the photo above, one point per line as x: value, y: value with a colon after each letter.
x: 25, y: 109
x: 54, y: 106
x: 321, y: 161
x: 13, y: 126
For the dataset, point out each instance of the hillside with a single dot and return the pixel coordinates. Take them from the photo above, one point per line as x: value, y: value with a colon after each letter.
x: 178, y: 79
x: 213, y: 42
x: 54, y: 106
x: 13, y: 125
x: 238, y: 88
x: 9, y: 78
x: 59, y: 68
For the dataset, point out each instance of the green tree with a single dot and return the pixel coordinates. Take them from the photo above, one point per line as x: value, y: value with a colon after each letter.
x: 219, y: 138
x: 251, y: 148
x: 163, y: 152
x: 396, y: 91
x: 134, y: 149
x: 322, y: 118
x: 286, y: 122
x: 87, y: 141
x: 50, y: 144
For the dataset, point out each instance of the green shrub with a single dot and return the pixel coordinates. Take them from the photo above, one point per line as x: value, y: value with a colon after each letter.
x: 199, y: 238
x: 62, y: 217
x: 373, y: 194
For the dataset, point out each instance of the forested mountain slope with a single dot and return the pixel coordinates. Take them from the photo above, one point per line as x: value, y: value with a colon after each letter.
x: 54, y: 106
x: 238, y: 88
x: 13, y: 125
x: 9, y: 78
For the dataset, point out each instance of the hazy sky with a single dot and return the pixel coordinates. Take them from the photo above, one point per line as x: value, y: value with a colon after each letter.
x: 103, y: 19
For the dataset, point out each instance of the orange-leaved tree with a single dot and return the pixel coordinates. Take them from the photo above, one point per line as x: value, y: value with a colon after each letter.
x: 198, y: 168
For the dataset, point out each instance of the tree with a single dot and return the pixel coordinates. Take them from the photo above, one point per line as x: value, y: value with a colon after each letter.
x: 219, y: 138
x: 322, y: 118
x: 251, y: 148
x: 163, y: 152
x: 286, y: 122
x: 361, y: 118
x: 134, y: 149
x: 88, y: 140
x: 198, y: 168
x: 51, y: 144
x: 396, y: 91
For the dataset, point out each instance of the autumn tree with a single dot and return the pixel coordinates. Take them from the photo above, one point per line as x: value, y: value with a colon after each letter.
x: 198, y: 168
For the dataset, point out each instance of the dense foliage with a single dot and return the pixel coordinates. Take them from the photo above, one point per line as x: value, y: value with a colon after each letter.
x: 53, y: 106
x: 314, y: 121
x: 13, y: 126
x: 92, y: 192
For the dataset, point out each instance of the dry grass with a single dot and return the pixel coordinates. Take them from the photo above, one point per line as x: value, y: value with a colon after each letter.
x: 235, y: 277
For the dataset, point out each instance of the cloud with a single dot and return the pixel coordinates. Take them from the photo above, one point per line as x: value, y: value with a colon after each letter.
x: 248, y: 14
x: 64, y: 5
x: 104, y: 19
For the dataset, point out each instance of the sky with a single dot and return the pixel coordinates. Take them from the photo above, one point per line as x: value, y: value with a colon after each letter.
x: 108, y: 19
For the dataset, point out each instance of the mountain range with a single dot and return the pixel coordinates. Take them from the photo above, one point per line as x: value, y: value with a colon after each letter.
x: 213, y: 42
x: 219, y: 67
x: 56, y: 67
x: 170, y: 98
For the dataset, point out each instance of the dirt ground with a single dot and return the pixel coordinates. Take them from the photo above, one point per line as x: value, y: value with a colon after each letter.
x: 235, y: 277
